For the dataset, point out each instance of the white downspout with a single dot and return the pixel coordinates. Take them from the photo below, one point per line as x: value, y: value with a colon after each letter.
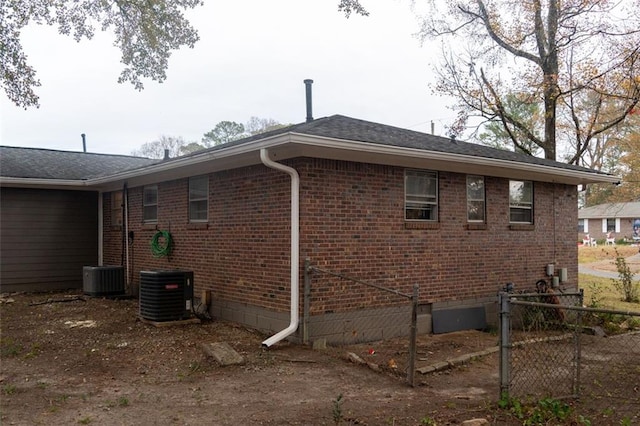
x: 295, y: 245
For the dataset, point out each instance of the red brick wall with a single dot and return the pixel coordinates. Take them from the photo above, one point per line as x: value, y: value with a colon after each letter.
x: 352, y: 222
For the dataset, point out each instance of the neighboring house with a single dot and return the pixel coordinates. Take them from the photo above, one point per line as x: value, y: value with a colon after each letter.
x: 621, y: 220
x: 382, y: 204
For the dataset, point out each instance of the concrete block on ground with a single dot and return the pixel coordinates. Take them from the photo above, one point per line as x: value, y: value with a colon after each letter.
x: 319, y: 344
x: 223, y: 353
x: 475, y: 422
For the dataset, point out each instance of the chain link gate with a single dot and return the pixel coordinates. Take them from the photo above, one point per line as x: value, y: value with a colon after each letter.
x: 553, y: 347
x: 391, y: 296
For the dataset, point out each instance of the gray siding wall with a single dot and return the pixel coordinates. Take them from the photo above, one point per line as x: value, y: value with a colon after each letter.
x: 46, y: 237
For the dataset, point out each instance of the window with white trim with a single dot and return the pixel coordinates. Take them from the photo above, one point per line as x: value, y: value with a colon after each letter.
x: 150, y: 204
x: 581, y: 225
x: 609, y: 225
x: 421, y: 195
x: 198, y: 198
x: 475, y: 199
x: 520, y: 201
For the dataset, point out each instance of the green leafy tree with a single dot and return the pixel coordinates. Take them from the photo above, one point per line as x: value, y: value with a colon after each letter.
x: 190, y: 148
x: 227, y: 131
x: 626, y: 165
x: 146, y: 32
x: 223, y: 132
x: 498, y: 135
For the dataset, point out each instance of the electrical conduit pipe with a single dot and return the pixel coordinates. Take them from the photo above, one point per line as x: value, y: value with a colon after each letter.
x: 295, y: 246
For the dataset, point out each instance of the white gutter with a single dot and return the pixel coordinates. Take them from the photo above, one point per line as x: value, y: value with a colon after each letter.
x: 340, y: 146
x: 390, y: 150
x: 295, y: 245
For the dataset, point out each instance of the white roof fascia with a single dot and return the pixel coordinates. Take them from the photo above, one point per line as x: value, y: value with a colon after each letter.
x: 219, y: 154
x: 573, y: 175
x: 338, y: 149
x: 15, y: 182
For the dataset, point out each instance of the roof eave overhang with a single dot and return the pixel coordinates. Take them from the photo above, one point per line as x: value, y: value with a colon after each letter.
x: 66, y: 184
x: 468, y: 164
x: 293, y: 145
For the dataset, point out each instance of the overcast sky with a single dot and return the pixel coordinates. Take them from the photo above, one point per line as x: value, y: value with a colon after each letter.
x: 251, y: 60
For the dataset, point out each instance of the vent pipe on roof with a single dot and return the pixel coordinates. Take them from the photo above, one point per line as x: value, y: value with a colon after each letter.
x: 308, y: 83
x: 166, y: 154
x: 84, y: 142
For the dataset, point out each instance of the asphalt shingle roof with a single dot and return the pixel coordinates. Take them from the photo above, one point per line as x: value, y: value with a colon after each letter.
x: 347, y: 128
x: 51, y: 164
x: 64, y: 165
x: 611, y: 211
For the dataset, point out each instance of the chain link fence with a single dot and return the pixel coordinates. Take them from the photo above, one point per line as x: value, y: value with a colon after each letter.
x: 553, y: 347
x: 372, y: 319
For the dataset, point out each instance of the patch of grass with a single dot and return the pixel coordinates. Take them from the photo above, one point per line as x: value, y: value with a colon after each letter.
x: 9, y: 348
x: 543, y: 412
x: 427, y: 421
x: 85, y: 420
x: 604, y: 293
x: 33, y: 352
x: 596, y: 254
x: 9, y: 389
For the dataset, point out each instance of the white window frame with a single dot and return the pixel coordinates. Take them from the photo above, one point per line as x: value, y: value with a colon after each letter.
x: 522, y: 205
x: 477, y: 201
x: 148, y: 206
x: 196, y: 198
x: 605, y: 225
x: 419, y: 205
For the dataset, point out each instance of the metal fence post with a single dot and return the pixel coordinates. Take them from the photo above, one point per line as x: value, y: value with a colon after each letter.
x: 578, y: 348
x: 413, y: 336
x: 505, y: 343
x: 306, y: 296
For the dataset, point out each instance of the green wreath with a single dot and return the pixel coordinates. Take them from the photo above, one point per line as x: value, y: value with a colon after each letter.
x: 161, y: 244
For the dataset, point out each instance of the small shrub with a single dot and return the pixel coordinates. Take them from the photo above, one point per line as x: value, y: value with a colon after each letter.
x: 625, y: 285
x: 337, y: 409
x: 546, y: 411
x: 427, y: 421
x: 595, y: 299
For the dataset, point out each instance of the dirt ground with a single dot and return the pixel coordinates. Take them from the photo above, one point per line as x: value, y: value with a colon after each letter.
x: 82, y: 360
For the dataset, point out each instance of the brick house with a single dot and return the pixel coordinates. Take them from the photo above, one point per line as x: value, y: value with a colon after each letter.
x: 382, y: 204
x: 619, y: 220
